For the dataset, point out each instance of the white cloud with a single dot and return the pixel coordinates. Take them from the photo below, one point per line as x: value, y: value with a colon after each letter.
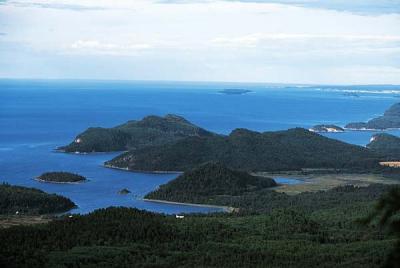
x: 358, y: 6
x: 254, y: 39
x: 97, y: 47
x: 197, y: 40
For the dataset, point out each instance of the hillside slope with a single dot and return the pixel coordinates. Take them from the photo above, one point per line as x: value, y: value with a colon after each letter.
x: 385, y: 144
x: 251, y: 151
x: 209, y: 180
x: 31, y: 201
x: 151, y: 130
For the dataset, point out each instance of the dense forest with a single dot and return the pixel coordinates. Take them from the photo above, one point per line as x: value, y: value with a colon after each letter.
x: 252, y: 151
x: 387, y: 145
x: 31, y: 201
x: 209, y: 180
x: 151, y: 130
x: 61, y: 177
x: 321, y: 229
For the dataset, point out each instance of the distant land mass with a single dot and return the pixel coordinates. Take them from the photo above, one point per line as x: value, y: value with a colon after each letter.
x: 151, y: 130
x: 247, y: 150
x: 235, y: 91
x: 389, y: 120
x: 209, y: 180
x: 386, y: 144
x: 124, y: 191
x: 326, y: 128
x: 61, y: 177
x: 23, y: 200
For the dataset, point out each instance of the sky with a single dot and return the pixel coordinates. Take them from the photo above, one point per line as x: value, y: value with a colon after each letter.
x: 282, y: 41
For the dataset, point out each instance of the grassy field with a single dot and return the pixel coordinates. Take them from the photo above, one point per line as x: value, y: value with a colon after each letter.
x: 323, y: 182
x: 7, y: 221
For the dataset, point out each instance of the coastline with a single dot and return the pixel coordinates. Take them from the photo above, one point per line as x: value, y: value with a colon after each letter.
x: 142, y: 171
x: 356, y: 129
x: 56, y: 150
x: 224, y: 208
x: 61, y: 182
x: 370, y: 129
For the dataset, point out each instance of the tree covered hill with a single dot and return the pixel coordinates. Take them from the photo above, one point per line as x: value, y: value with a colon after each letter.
x: 251, y: 151
x: 309, y: 230
x: 386, y: 144
x: 208, y: 180
x: 151, y: 130
x: 31, y: 201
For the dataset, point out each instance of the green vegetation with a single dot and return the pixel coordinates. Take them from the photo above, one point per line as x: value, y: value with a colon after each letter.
x: 31, y: 201
x: 151, y: 130
x: 319, y: 230
x: 209, y: 180
x: 265, y: 201
x: 247, y: 150
x: 390, y: 119
x: 61, y: 177
x: 386, y: 144
x: 387, y: 215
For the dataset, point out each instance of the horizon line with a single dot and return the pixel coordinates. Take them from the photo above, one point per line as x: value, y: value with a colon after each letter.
x: 195, y: 81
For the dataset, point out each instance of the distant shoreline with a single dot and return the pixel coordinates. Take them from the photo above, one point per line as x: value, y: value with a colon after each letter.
x: 369, y: 129
x: 225, y: 208
x: 61, y: 182
x: 85, y: 153
x: 143, y: 171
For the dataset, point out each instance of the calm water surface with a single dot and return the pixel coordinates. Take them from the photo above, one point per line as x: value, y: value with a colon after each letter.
x: 37, y: 116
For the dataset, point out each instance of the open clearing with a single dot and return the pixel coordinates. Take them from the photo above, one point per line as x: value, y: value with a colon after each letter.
x: 7, y: 221
x: 323, y: 182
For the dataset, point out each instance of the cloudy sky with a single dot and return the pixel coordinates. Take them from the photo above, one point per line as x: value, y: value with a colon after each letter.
x: 282, y: 41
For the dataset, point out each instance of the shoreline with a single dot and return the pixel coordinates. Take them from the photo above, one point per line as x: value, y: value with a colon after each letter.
x: 61, y: 182
x: 224, y: 208
x: 56, y: 150
x: 142, y: 171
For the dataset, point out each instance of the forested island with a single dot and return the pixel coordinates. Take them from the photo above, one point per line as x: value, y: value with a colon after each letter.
x: 389, y: 120
x: 23, y: 200
x: 61, y: 177
x: 207, y: 181
x: 150, y: 131
x: 248, y: 150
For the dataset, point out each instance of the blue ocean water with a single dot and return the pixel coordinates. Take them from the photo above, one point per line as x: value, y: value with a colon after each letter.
x: 36, y: 116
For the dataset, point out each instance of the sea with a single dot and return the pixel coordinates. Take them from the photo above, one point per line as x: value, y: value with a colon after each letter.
x: 37, y: 116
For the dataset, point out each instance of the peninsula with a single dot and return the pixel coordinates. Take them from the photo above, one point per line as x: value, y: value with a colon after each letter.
x: 201, y: 184
x: 150, y: 131
x: 247, y: 150
x: 326, y: 128
x: 31, y: 201
x: 389, y: 120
